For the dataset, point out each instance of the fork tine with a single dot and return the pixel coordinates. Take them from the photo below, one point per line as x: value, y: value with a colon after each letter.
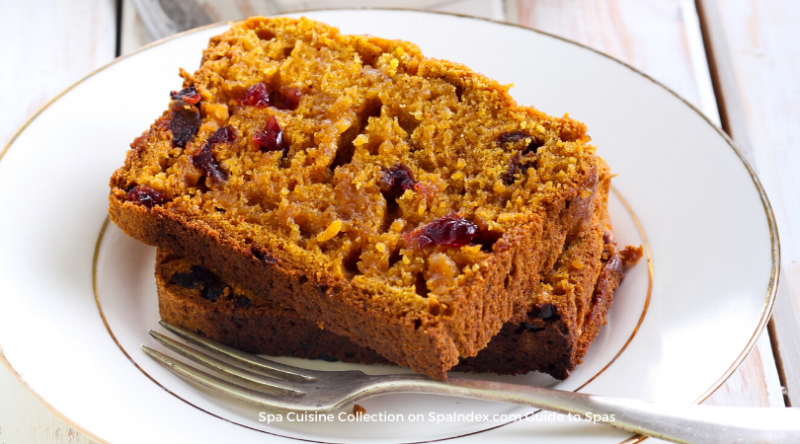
x: 259, y: 364
x: 221, y: 386
x: 250, y: 379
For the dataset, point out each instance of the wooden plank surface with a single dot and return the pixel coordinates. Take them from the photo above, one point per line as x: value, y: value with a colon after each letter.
x: 53, y: 44
x: 648, y: 34
x: 654, y: 36
x: 134, y: 35
x: 755, y: 46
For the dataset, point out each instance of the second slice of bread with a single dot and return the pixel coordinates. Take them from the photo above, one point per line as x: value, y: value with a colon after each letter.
x: 570, y: 307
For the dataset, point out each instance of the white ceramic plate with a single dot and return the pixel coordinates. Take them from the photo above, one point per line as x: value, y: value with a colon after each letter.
x: 77, y: 296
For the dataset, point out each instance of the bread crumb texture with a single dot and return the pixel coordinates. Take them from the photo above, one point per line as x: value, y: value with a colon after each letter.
x: 326, y: 149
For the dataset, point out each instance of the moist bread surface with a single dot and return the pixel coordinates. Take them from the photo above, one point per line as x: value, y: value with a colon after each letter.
x: 406, y: 203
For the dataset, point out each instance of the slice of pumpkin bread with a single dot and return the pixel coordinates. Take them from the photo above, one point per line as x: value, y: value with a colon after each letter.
x: 406, y: 203
x: 570, y: 305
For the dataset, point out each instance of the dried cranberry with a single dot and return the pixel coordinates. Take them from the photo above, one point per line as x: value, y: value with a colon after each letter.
x: 513, y: 170
x: 225, y: 134
x: 516, y: 136
x: 546, y: 312
x: 213, y: 291
x: 291, y: 98
x: 184, y: 122
x: 271, y: 137
x: 242, y: 301
x: 257, y: 96
x: 394, y: 182
x: 211, y: 288
x: 263, y: 256
x: 185, y: 280
x: 196, y: 277
x: 205, y: 161
x: 452, y: 230
x: 511, y: 137
x: 517, y: 165
x: 533, y: 147
x: 205, y: 158
x: 188, y: 95
x: 146, y: 196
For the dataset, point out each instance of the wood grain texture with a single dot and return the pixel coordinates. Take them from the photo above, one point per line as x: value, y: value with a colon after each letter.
x: 652, y: 36
x: 491, y: 9
x: 755, y: 47
x: 54, y: 43
x: 755, y: 383
x: 134, y: 35
x: 649, y: 34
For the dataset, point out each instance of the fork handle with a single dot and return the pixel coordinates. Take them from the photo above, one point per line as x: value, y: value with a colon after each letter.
x: 694, y: 424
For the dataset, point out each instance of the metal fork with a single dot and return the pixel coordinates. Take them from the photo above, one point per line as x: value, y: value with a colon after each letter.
x: 284, y: 388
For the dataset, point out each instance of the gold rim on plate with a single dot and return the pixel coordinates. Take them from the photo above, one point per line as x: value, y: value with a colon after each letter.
x: 773, y: 231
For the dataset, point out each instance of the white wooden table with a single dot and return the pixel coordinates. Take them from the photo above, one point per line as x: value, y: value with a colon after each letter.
x: 736, y: 60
